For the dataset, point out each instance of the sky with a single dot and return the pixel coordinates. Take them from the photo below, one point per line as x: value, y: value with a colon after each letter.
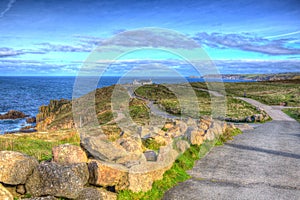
x: 55, y: 38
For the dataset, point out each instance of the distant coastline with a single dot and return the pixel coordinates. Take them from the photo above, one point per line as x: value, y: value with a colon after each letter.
x: 27, y: 94
x: 253, y: 77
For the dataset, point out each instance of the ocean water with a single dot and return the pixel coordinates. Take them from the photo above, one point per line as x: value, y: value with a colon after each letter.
x: 27, y: 94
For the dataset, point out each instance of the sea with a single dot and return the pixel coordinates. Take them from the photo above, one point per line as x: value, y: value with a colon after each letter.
x: 27, y: 94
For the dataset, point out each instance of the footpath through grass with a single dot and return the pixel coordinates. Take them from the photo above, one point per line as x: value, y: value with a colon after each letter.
x: 168, y: 101
x: 178, y: 173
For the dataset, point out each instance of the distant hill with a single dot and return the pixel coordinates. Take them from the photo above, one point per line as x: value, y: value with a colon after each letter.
x: 259, y: 77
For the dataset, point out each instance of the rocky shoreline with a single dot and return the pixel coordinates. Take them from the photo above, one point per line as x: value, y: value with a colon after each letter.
x: 15, y: 114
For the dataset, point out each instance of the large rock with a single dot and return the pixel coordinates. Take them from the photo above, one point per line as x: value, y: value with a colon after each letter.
x: 183, y: 126
x: 131, y: 159
x: 131, y: 144
x: 182, y: 145
x: 108, y: 174
x: 101, y: 149
x: 206, y: 120
x: 210, y: 135
x: 150, y: 155
x: 167, y: 155
x: 218, y: 128
x: 5, y: 194
x: 13, y: 114
x: 169, y: 125
x: 57, y: 180
x: 175, y: 131
x: 90, y: 193
x: 15, y: 167
x: 68, y: 154
x: 195, y: 135
x: 141, y: 177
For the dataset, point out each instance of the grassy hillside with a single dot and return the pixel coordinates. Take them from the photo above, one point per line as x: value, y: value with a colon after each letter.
x: 168, y: 101
x: 270, y: 93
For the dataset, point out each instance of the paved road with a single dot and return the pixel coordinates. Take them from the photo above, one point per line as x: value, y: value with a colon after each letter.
x: 274, y: 111
x: 263, y: 163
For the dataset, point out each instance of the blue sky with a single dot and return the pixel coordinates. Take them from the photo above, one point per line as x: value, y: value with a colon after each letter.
x: 55, y: 37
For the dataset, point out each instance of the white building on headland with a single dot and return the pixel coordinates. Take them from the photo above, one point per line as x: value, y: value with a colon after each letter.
x: 142, y: 82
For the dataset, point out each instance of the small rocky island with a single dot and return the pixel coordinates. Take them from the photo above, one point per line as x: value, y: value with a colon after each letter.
x: 13, y: 114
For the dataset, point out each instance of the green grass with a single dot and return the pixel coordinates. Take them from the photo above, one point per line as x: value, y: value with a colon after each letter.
x: 293, y: 112
x: 152, y: 144
x: 167, y: 101
x: 155, y: 92
x: 38, y: 148
x: 270, y: 93
x: 139, y: 111
x: 228, y: 135
x: 237, y: 108
x: 177, y: 173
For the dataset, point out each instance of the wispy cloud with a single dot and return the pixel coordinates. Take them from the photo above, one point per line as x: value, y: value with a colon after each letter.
x: 10, y: 52
x: 48, y: 47
x: 283, y: 35
x: 246, y: 43
x: 8, y: 7
x: 86, y: 40
x: 6, y: 52
x: 151, y: 37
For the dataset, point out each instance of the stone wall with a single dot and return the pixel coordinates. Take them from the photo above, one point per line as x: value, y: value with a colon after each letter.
x: 98, y: 169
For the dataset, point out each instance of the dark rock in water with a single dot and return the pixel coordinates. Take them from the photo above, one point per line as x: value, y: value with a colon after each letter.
x: 13, y: 114
x: 30, y: 120
x: 29, y: 130
x: 26, y: 128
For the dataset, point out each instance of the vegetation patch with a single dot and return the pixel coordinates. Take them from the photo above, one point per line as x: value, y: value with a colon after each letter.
x: 152, y: 144
x: 270, y: 93
x: 293, y: 112
x: 139, y: 111
x: 227, y: 135
x: 167, y: 101
x: 237, y: 108
x: 36, y: 145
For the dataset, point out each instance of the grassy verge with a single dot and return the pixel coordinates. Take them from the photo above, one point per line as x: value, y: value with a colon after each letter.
x: 293, y: 112
x: 37, y: 145
x: 178, y: 173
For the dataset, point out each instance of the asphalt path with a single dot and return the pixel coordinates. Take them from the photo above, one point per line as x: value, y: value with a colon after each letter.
x: 262, y: 163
